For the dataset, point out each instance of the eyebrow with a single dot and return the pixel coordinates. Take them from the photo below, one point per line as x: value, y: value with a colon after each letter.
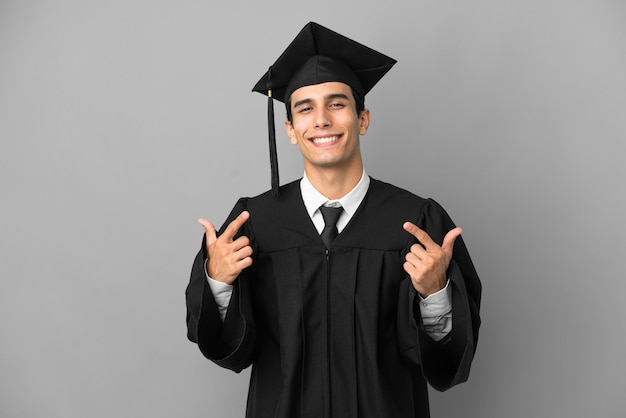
x: 329, y: 97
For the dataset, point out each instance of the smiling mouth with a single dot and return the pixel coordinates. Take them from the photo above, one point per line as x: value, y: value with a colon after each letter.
x: 325, y: 140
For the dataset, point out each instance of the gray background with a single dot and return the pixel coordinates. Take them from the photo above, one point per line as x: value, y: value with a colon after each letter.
x: 122, y: 122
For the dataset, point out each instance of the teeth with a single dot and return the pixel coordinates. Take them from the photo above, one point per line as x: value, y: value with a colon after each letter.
x: 325, y: 140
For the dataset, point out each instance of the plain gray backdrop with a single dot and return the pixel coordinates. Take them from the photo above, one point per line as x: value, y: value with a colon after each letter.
x: 122, y: 122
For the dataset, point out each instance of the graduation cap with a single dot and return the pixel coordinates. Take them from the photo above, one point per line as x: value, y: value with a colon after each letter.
x: 319, y: 55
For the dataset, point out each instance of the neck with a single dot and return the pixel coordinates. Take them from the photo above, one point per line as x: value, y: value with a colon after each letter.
x: 334, y: 182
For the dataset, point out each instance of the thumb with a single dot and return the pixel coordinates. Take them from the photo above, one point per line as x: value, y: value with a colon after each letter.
x: 448, y: 240
x: 209, y: 229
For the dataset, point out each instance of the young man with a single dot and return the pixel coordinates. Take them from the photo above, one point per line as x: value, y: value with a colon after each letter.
x: 346, y: 294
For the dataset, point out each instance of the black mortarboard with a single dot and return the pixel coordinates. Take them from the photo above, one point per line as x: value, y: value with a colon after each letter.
x: 318, y: 55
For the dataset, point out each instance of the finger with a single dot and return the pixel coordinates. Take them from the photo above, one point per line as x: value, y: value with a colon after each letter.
x: 240, y: 243
x: 448, y: 240
x: 412, y: 270
x: 209, y: 229
x: 232, y: 228
x: 418, y: 251
x: 244, y: 252
x: 420, y: 234
x: 413, y: 258
x: 244, y: 263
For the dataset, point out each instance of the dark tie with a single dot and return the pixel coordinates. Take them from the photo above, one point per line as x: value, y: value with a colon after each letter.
x: 330, y: 215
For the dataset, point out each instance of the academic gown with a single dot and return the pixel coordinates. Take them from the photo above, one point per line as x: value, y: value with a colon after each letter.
x: 336, y: 333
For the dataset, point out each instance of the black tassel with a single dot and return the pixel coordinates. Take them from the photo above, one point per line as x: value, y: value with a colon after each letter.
x: 272, y: 137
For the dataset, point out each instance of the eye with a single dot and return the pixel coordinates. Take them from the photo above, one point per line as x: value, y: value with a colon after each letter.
x: 304, y: 109
x: 337, y: 105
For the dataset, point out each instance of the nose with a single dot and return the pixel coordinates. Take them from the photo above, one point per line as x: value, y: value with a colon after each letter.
x: 322, y: 119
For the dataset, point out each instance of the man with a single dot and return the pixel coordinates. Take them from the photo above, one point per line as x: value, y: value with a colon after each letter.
x: 345, y: 294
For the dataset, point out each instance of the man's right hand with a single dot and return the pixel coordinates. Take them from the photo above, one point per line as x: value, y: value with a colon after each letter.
x: 227, y: 258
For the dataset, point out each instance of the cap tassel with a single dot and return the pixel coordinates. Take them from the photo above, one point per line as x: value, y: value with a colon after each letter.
x: 272, y: 138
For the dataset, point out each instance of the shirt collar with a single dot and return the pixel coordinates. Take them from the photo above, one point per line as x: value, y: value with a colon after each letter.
x: 313, y: 199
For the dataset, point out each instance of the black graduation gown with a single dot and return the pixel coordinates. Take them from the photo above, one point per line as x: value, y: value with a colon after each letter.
x: 339, y: 334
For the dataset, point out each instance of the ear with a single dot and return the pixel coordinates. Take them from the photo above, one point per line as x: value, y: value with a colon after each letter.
x: 291, y: 133
x: 364, y: 121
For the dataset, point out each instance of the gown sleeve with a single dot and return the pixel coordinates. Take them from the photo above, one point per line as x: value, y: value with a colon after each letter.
x: 447, y: 362
x: 230, y: 344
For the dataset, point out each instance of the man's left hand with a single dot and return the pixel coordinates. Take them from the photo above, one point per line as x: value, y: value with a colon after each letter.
x: 427, y: 265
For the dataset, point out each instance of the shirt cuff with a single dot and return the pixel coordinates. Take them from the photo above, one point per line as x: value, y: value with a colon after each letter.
x: 436, y: 311
x: 438, y: 303
x: 222, y: 293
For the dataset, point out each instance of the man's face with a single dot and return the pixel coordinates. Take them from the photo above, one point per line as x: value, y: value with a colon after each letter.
x: 326, y: 126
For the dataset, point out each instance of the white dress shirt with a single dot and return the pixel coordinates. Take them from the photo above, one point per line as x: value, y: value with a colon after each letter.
x: 436, y: 309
